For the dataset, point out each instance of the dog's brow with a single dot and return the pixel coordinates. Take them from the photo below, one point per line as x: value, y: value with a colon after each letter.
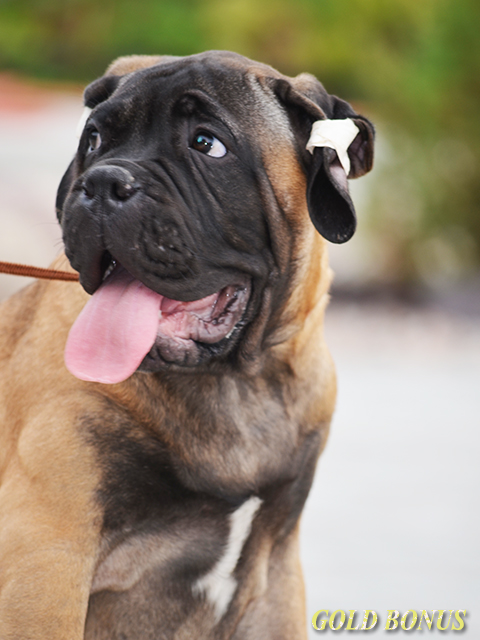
x: 204, y: 104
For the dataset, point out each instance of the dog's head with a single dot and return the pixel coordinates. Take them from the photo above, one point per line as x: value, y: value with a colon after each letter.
x: 193, y: 181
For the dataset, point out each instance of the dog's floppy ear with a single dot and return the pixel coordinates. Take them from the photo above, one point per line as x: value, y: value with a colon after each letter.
x: 335, y: 144
x: 101, y: 89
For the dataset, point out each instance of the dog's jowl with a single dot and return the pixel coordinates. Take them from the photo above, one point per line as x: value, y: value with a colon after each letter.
x: 161, y: 420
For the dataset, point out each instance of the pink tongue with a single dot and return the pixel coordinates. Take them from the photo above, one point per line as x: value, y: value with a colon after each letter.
x: 115, y: 330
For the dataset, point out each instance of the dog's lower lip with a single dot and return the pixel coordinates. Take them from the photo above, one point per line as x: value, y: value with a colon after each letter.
x: 193, y: 332
x: 207, y: 320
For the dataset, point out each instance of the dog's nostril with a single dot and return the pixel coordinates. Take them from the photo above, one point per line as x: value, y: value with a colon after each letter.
x: 109, y: 183
x: 123, y: 190
x: 88, y: 188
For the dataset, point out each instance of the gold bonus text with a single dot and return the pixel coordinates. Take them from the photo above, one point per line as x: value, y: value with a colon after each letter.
x: 411, y: 620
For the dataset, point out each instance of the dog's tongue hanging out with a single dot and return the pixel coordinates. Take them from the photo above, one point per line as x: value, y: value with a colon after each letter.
x: 114, y: 331
x: 122, y: 320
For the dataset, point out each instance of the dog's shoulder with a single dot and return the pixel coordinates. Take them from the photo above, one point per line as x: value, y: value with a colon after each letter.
x: 17, y: 314
x: 38, y: 310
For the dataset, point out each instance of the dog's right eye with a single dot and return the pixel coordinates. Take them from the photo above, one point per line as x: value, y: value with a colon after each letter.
x: 94, y: 141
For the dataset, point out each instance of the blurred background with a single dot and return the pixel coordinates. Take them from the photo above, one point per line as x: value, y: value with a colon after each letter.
x: 393, y: 518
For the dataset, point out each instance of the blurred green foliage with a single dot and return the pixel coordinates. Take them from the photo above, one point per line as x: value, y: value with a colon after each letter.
x: 412, y: 65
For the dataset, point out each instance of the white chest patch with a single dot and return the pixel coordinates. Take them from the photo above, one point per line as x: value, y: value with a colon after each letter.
x: 219, y: 585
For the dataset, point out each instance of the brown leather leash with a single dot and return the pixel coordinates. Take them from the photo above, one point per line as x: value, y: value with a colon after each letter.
x: 36, y: 272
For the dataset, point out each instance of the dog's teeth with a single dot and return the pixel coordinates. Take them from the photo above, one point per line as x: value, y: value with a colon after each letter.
x: 109, y: 269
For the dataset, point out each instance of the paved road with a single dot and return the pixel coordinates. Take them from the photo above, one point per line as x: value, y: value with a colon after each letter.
x: 393, y: 520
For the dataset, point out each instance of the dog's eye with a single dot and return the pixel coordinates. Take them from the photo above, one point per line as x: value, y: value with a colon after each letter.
x: 208, y: 144
x: 94, y: 141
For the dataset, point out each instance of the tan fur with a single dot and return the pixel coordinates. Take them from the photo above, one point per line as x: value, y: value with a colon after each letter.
x: 127, y: 64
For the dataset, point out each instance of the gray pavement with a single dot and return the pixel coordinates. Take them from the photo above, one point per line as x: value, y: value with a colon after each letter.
x: 392, y: 521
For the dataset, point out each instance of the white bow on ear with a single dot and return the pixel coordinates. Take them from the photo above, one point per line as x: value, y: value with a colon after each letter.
x: 335, y: 134
x: 83, y: 121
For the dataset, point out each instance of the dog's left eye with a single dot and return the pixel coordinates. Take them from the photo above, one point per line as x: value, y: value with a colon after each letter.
x: 94, y: 141
x: 208, y: 144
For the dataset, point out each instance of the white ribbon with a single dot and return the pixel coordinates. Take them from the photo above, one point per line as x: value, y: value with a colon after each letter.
x: 83, y: 121
x: 335, y: 134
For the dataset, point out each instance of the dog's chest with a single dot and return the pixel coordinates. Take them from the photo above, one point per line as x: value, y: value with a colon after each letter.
x: 201, y: 554
x: 221, y: 447
x: 179, y: 506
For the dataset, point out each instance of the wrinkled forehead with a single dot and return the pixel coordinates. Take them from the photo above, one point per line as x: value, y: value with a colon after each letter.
x: 227, y: 87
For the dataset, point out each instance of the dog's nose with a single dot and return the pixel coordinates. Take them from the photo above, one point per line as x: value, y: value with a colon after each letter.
x: 109, y: 183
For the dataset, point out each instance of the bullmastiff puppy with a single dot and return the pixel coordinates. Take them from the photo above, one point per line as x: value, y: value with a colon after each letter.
x: 151, y: 487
